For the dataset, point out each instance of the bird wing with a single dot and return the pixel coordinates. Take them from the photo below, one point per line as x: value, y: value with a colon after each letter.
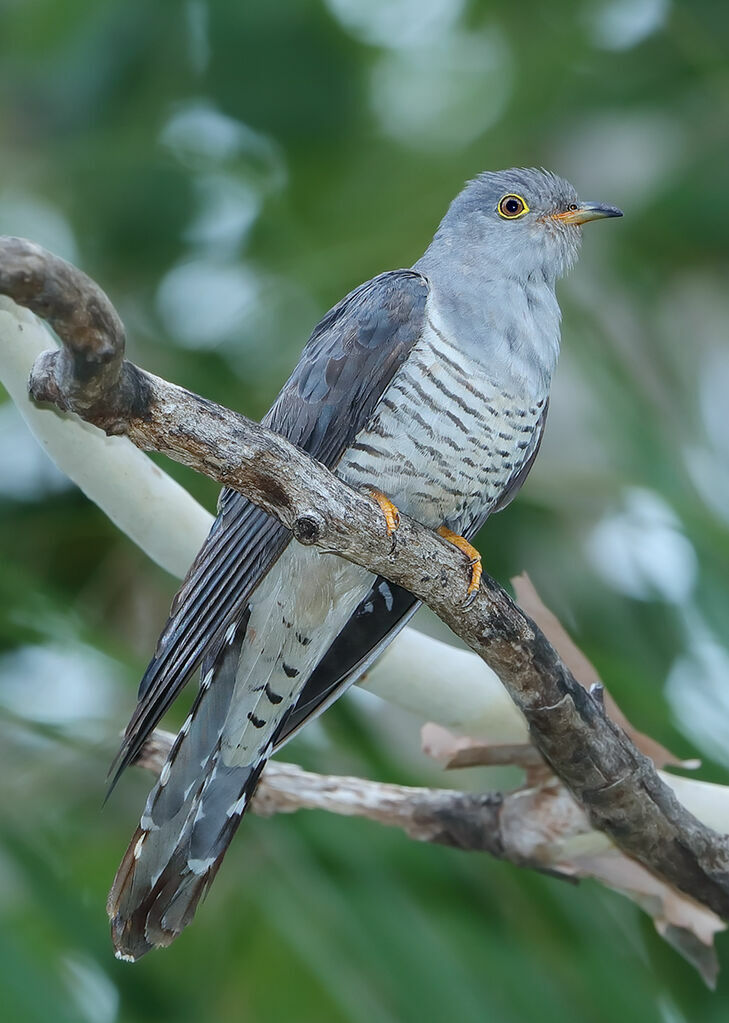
x: 385, y: 610
x: 346, y: 366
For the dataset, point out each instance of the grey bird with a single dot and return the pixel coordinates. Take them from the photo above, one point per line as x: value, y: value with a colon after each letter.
x: 428, y: 387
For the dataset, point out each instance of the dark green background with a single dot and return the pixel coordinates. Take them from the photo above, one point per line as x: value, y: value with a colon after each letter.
x: 227, y: 171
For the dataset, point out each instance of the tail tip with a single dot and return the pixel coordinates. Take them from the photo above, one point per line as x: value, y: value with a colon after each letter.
x: 124, y: 956
x: 130, y: 944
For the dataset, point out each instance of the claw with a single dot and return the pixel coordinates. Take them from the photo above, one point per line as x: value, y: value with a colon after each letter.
x: 388, y: 509
x: 474, y: 560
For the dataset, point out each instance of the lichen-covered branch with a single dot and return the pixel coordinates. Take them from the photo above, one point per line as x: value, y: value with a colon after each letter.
x: 616, y: 784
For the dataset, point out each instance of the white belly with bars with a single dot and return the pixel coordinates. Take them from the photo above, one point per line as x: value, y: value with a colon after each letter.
x: 445, y: 439
x: 442, y: 444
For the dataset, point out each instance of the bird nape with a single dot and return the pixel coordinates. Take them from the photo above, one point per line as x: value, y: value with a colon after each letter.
x: 427, y: 387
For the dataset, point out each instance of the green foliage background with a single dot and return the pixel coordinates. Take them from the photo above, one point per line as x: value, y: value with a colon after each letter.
x: 227, y: 171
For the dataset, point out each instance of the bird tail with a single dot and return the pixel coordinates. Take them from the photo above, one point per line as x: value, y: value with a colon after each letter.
x: 190, y: 818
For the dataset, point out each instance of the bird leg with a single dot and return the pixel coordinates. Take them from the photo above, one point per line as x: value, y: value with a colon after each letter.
x: 474, y: 560
x: 388, y: 509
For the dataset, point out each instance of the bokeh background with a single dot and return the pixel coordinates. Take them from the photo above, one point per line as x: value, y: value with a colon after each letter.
x: 227, y: 171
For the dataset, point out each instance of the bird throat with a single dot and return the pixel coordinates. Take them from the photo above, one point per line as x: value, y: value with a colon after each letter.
x: 508, y: 326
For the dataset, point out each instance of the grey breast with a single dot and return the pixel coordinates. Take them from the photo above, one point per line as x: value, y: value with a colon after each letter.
x: 446, y: 436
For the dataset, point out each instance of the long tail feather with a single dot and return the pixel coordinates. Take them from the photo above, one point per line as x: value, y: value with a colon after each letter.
x: 248, y: 690
x: 160, y: 883
x: 190, y: 817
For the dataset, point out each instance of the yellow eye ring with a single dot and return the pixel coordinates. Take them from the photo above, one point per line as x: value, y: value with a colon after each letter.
x: 511, y: 207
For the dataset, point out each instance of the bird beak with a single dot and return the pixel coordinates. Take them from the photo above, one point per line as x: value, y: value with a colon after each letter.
x: 587, y: 211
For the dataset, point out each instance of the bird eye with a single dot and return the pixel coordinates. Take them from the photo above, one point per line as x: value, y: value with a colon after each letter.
x: 572, y: 207
x: 512, y: 206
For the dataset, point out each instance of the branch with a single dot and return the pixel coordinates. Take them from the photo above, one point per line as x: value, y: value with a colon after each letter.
x: 539, y: 827
x: 460, y: 819
x: 618, y: 786
x: 136, y: 495
x: 437, y: 680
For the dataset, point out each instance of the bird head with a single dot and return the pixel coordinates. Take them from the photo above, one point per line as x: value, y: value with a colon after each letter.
x: 522, y: 222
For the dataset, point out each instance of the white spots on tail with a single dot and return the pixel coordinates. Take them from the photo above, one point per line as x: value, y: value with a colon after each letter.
x: 237, y: 807
x: 124, y: 957
x: 138, y: 846
x: 201, y: 866
x: 206, y: 680
x: 230, y: 632
x: 147, y: 822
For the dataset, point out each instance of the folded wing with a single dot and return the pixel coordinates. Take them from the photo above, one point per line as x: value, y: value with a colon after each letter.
x: 343, y: 371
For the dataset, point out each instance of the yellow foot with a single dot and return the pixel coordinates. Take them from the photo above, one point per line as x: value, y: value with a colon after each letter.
x: 474, y: 560
x: 388, y: 509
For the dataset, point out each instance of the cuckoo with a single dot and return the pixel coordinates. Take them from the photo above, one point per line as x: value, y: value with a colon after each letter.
x: 426, y: 387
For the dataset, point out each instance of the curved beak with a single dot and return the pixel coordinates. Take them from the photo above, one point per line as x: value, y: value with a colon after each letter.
x: 587, y: 211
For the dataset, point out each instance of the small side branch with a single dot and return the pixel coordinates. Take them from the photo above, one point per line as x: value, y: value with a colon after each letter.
x: 539, y: 827
x: 474, y: 822
x: 617, y: 785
